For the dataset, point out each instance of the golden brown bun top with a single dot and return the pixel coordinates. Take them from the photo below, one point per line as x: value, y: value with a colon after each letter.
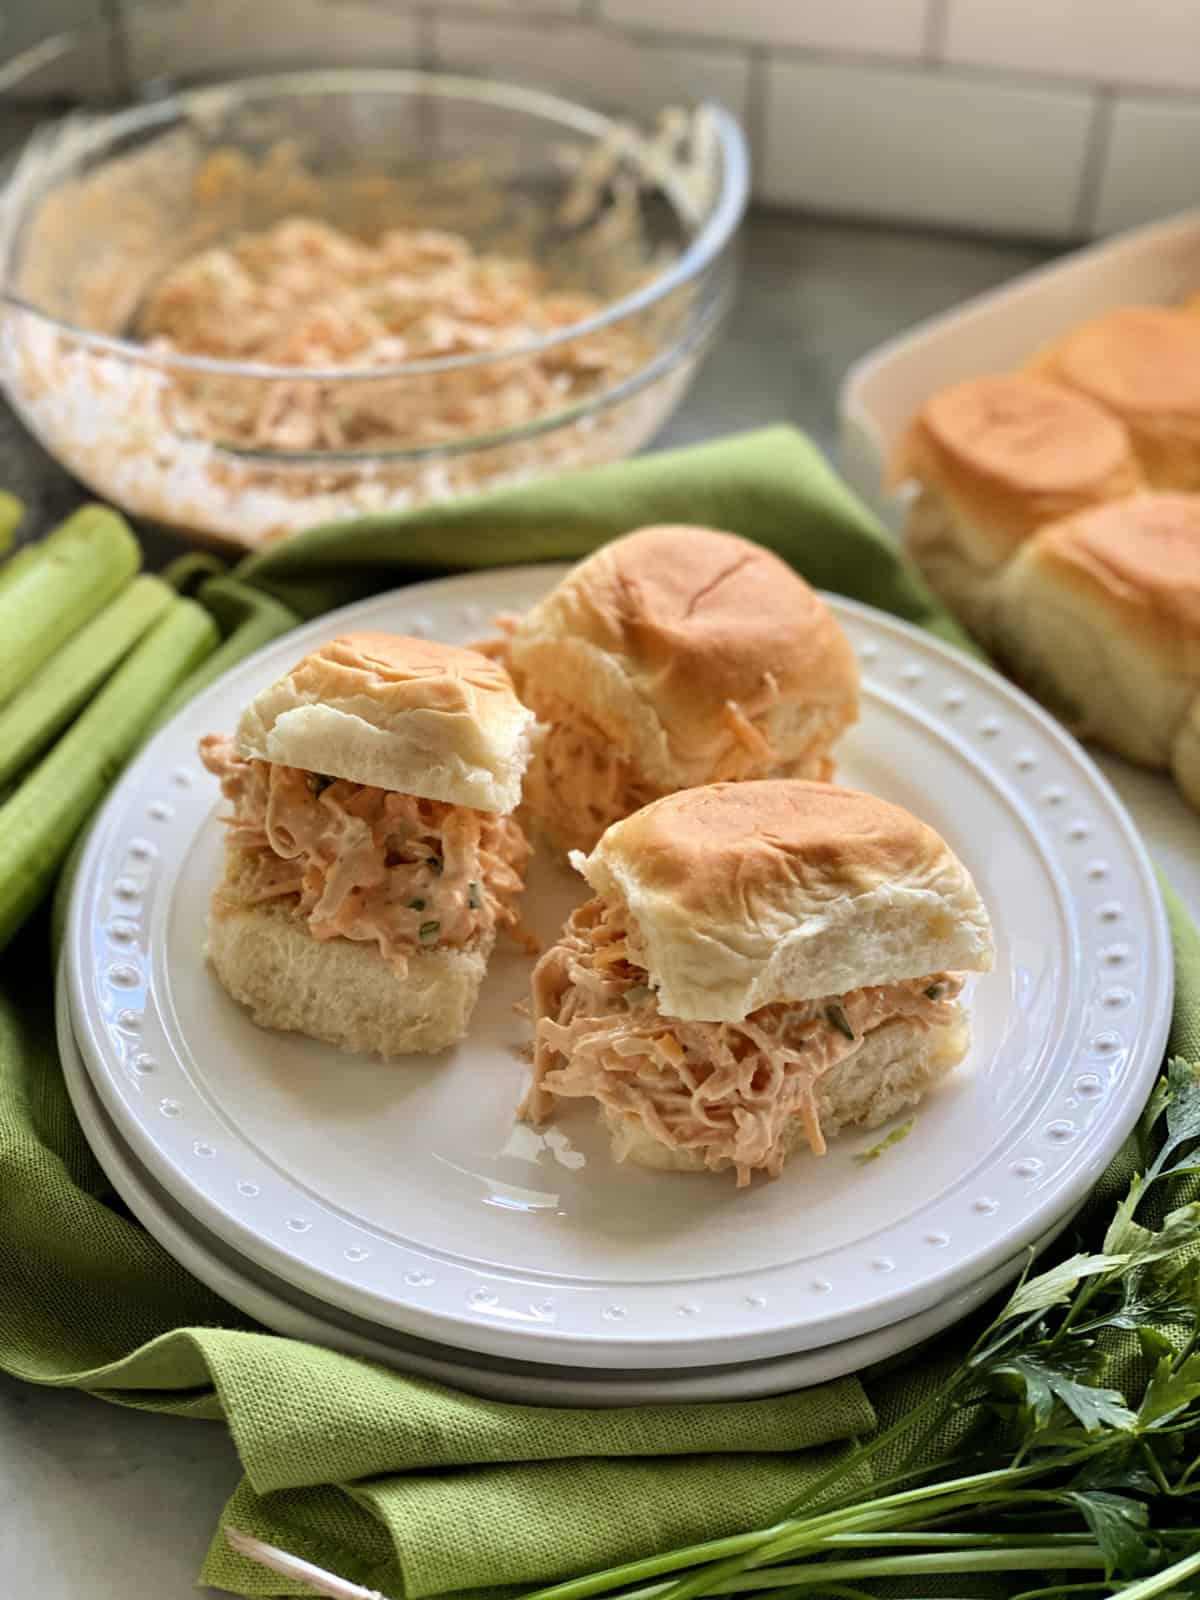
x: 1140, y: 560
x: 724, y: 847
x: 1014, y: 451
x: 397, y: 713
x: 1139, y: 362
x: 657, y: 632
x: 743, y: 894
x: 399, y: 673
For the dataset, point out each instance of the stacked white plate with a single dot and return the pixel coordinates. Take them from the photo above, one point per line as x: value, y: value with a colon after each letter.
x: 397, y: 1211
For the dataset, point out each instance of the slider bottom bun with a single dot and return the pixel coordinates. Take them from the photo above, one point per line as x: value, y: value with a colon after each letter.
x: 340, y: 991
x: 895, y: 1067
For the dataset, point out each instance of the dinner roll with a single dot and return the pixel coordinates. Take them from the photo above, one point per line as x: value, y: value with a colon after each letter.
x: 345, y: 993
x: 672, y: 657
x: 996, y: 457
x: 396, y: 713
x: 1142, y: 364
x: 1100, y: 618
x: 745, y: 894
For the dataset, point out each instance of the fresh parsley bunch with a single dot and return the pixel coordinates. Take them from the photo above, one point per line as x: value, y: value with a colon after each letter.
x: 1056, y: 1483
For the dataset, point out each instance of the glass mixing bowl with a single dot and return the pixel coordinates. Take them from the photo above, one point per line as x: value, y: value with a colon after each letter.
x: 634, y: 224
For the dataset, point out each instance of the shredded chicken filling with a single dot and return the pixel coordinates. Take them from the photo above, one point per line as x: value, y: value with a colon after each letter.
x: 580, y: 780
x: 727, y: 1089
x: 303, y: 294
x: 356, y: 862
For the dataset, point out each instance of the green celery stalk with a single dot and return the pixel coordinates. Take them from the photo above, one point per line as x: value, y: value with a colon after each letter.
x: 12, y: 513
x: 255, y: 619
x: 40, y: 821
x: 186, y: 572
x: 64, y: 582
x: 39, y: 711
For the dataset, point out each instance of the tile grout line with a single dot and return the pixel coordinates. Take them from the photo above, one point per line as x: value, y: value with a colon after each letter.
x: 112, y: 15
x: 1095, y: 162
x: 757, y: 90
x: 933, y: 42
x: 426, y: 38
x: 920, y: 64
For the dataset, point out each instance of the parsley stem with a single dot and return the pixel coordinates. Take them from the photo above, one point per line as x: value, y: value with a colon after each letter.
x: 1059, y: 1589
x: 956, y: 1541
x: 1160, y: 1582
x: 864, y: 1452
x: 1019, y: 1558
x: 655, y: 1566
x: 1152, y: 1465
x: 804, y: 1536
x: 786, y: 1537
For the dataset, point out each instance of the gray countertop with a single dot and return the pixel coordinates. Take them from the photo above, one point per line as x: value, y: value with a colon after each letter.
x: 107, y: 1504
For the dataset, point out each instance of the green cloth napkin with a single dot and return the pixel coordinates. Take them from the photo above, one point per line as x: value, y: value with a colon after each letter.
x: 399, y: 1484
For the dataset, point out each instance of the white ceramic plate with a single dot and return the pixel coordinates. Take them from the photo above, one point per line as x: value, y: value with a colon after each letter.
x: 405, y: 1195
x: 290, y: 1311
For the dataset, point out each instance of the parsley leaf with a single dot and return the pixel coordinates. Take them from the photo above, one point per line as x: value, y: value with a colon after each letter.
x: 1056, y: 1286
x: 1090, y: 1405
x: 1169, y: 1392
x: 1180, y: 1228
x: 1118, y: 1468
x: 1183, y: 1108
x: 1118, y: 1525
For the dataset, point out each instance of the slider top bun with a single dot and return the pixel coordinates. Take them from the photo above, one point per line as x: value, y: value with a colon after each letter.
x: 657, y: 632
x: 1142, y: 364
x: 406, y: 714
x: 1012, y: 451
x: 743, y: 894
x: 1101, y: 616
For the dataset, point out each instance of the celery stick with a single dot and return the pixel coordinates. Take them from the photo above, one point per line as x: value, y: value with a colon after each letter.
x: 16, y: 564
x: 69, y: 577
x: 35, y: 550
x: 40, y: 821
x: 12, y: 513
x: 38, y: 712
x: 187, y: 572
x: 256, y: 619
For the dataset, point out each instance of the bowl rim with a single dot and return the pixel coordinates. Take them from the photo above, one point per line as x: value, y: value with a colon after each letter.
x: 705, y: 248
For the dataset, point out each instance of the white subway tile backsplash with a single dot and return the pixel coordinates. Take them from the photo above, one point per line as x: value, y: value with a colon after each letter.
x: 927, y: 146
x: 598, y: 65
x: 1038, y: 117
x: 1150, y: 168
x: 894, y: 27
x: 1112, y: 41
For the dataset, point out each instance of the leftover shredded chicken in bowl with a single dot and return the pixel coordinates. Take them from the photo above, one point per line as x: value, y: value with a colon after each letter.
x: 277, y: 302
x: 307, y: 295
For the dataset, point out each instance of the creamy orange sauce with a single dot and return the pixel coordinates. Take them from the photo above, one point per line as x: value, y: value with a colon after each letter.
x: 368, y: 864
x: 581, y: 780
x: 727, y: 1089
